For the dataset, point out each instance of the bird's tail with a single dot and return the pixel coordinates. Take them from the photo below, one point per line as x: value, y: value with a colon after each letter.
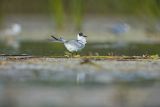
x: 54, y: 39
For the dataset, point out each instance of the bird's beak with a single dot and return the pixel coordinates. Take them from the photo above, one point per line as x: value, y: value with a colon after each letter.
x: 84, y: 36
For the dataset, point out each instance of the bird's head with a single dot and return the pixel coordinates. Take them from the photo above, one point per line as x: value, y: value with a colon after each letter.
x: 81, y: 37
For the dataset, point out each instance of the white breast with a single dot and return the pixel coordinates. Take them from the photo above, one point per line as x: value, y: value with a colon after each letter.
x: 72, y: 46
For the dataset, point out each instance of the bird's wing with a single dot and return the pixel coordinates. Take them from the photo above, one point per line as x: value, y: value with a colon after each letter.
x: 75, y: 43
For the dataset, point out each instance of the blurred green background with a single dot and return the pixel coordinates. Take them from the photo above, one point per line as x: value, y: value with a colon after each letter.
x: 67, y: 14
x: 122, y: 21
x: 78, y: 8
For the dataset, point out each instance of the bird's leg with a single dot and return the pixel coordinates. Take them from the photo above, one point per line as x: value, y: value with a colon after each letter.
x: 76, y: 54
x: 68, y: 54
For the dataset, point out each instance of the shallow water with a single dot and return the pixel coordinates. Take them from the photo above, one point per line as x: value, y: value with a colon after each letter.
x: 41, y: 48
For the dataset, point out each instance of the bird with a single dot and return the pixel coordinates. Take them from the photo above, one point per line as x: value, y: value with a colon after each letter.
x: 13, y: 30
x: 11, y: 35
x: 120, y: 28
x: 72, y: 45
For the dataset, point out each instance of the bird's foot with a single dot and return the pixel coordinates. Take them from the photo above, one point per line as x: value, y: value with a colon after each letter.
x: 68, y: 54
x: 76, y: 56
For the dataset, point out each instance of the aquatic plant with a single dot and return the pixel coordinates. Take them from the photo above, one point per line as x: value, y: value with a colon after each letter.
x: 74, y: 10
x: 1, y: 12
x: 56, y: 8
x: 77, y: 13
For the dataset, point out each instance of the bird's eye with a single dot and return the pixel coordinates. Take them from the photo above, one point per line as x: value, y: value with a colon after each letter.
x: 80, y: 34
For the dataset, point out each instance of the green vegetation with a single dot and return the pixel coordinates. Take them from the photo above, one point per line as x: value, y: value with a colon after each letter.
x: 77, y: 8
x: 56, y: 6
x: 58, y: 10
x: 125, y: 7
x: 74, y: 10
x: 77, y: 12
x: 1, y: 13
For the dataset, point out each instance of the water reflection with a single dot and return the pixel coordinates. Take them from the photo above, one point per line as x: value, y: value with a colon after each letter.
x: 120, y: 95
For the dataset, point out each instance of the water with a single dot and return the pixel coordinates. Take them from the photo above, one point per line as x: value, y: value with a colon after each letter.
x: 41, y: 48
x: 66, y: 82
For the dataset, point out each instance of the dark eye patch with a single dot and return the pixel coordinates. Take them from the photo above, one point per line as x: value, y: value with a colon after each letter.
x: 80, y: 34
